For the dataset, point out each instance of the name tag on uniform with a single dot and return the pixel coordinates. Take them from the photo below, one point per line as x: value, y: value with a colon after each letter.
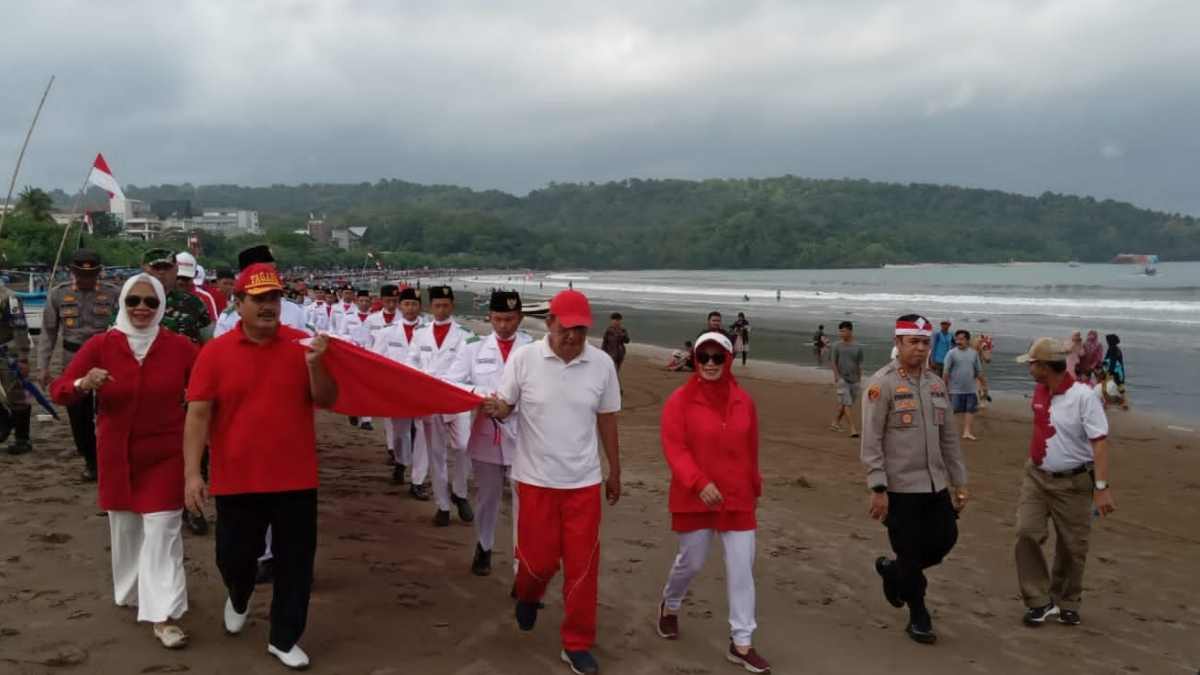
x: 395, y: 344
x: 905, y: 404
x: 901, y: 397
x: 426, y: 348
x: 376, y: 327
x: 492, y: 360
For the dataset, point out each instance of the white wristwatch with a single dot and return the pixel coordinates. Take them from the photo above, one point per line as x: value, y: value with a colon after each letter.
x: 1101, y: 485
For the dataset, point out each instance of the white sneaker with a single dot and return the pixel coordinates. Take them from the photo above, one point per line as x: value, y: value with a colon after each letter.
x: 294, y: 658
x: 234, y: 622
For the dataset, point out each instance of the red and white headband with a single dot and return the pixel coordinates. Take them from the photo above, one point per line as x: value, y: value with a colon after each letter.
x: 919, y: 327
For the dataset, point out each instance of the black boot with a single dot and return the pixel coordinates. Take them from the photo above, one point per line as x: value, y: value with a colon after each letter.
x: 481, y: 566
x: 21, y: 443
x: 6, y: 424
x: 398, y: 474
x: 465, y: 513
x: 353, y: 421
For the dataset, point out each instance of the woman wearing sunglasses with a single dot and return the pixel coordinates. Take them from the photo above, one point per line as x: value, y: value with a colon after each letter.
x: 710, y: 439
x: 139, y: 374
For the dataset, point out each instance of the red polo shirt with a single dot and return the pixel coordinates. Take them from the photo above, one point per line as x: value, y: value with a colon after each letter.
x: 261, y: 435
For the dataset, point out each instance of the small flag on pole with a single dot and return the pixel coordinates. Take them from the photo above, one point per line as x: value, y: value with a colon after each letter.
x: 102, y: 177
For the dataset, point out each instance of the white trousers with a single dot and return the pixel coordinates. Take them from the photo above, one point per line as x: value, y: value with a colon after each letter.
x: 440, y: 438
x: 489, y: 492
x: 406, y: 450
x: 739, y: 576
x: 147, y: 563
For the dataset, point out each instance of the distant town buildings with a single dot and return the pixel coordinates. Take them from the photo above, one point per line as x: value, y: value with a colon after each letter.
x: 149, y: 221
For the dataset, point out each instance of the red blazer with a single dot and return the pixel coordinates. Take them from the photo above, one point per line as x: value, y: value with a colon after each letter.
x: 701, y: 448
x: 139, y: 435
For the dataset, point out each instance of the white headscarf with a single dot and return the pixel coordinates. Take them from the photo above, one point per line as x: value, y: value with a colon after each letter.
x: 140, y: 339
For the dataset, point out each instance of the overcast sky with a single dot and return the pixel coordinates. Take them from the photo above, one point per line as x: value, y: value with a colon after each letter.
x: 1079, y: 96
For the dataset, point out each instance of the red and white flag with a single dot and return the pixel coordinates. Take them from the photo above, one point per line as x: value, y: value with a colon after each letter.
x: 102, y: 177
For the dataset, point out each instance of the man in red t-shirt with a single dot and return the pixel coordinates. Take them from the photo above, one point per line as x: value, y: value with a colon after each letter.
x: 257, y: 377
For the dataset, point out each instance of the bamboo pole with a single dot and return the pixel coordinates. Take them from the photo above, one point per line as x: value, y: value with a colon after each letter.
x: 17, y: 169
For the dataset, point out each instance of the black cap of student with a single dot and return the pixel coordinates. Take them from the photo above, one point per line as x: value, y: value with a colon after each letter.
x: 389, y: 291
x: 410, y: 293
x: 505, y: 301
x: 255, y: 254
x: 364, y: 293
x: 441, y: 293
x: 226, y: 273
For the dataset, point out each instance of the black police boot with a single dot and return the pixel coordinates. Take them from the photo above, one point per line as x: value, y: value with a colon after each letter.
x: 21, y: 443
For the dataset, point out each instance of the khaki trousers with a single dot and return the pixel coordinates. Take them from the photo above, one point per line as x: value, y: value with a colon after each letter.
x: 1067, y: 502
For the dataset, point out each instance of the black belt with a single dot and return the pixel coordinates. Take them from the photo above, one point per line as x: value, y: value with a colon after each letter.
x: 1083, y: 468
x: 72, y: 346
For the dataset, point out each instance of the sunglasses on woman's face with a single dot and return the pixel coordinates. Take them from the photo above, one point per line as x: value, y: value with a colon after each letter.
x: 150, y: 301
x: 704, y: 357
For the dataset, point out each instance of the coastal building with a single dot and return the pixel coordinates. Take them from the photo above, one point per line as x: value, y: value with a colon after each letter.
x: 346, y: 237
x: 227, y: 221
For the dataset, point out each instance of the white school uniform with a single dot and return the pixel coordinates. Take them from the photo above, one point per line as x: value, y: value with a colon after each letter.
x: 339, y: 312
x: 492, y: 444
x: 443, y: 432
x: 317, y: 314
x: 391, y: 341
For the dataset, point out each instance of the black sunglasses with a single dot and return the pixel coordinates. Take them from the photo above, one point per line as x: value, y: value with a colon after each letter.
x: 704, y: 357
x: 149, y: 301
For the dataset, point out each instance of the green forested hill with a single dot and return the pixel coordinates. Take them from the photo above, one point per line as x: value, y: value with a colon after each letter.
x: 773, y: 222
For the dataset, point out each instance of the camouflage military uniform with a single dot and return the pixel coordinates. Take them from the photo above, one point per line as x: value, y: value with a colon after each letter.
x: 14, y: 343
x: 186, y: 314
x: 78, y: 314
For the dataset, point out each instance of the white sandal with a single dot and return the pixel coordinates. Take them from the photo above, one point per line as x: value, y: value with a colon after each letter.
x: 171, y: 636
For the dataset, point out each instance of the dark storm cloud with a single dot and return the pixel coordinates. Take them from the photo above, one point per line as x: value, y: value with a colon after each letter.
x: 1081, y: 96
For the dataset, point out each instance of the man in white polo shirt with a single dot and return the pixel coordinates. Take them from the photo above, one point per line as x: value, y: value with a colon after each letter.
x: 1066, y: 474
x: 568, y: 395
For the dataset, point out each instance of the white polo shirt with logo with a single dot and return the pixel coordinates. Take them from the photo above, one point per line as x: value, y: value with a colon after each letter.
x: 557, y: 442
x: 1078, y: 418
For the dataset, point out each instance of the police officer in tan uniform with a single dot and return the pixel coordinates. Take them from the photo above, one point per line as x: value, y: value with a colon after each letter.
x: 78, y: 310
x: 915, y: 470
x: 14, y: 353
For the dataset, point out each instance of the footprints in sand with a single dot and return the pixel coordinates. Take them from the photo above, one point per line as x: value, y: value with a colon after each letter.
x: 54, y: 538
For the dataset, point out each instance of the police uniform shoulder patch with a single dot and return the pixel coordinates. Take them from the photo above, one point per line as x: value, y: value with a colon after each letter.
x: 873, y: 392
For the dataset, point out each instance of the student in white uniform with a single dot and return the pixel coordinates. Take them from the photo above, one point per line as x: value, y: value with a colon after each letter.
x: 434, y: 350
x: 492, y: 444
x: 317, y: 312
x: 405, y: 446
x: 353, y: 327
x: 342, y: 306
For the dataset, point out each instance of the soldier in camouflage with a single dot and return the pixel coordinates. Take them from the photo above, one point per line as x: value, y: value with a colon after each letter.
x: 14, y: 345
x: 185, y: 313
x: 78, y: 309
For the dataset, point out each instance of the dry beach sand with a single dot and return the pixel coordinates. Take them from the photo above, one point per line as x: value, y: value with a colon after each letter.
x: 394, y: 595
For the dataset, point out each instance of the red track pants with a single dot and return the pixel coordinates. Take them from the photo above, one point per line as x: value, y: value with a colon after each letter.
x: 561, y: 524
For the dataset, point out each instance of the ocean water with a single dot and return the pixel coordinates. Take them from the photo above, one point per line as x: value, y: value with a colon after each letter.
x: 1157, y: 317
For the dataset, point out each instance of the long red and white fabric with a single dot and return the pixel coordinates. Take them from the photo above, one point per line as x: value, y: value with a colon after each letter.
x: 371, y: 385
x: 102, y: 177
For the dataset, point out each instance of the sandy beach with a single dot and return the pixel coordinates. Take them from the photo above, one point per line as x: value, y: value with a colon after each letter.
x: 394, y: 594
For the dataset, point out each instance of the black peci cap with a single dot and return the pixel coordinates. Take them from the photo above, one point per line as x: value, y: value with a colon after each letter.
x: 255, y: 254
x: 441, y: 293
x: 389, y: 291
x: 364, y: 293
x: 410, y: 293
x: 226, y: 273
x: 505, y: 301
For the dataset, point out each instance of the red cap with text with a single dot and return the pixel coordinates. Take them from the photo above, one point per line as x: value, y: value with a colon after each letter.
x: 257, y: 279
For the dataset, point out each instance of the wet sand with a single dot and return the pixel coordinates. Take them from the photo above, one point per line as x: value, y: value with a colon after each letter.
x: 393, y: 594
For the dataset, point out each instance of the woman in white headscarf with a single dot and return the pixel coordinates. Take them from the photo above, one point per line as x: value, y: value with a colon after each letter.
x: 140, y: 373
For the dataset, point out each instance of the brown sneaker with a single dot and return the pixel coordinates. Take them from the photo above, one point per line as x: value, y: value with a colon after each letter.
x: 751, y: 661
x: 667, y: 624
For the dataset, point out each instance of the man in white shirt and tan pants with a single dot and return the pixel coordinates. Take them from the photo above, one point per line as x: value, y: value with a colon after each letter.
x: 1066, y: 475
x: 568, y: 396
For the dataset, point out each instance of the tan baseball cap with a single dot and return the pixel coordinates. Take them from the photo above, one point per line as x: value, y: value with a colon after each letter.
x: 1044, y: 349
